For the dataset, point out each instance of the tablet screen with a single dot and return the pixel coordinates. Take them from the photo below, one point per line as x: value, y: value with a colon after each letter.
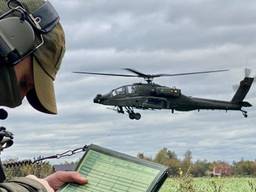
x: 109, y: 171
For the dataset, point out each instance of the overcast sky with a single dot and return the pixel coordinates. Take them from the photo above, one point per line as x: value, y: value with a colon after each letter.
x: 151, y: 36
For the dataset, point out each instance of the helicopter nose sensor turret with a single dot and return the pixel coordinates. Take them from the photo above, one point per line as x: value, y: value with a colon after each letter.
x: 98, y: 98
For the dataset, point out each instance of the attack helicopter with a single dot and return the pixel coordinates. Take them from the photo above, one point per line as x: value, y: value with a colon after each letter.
x: 151, y: 96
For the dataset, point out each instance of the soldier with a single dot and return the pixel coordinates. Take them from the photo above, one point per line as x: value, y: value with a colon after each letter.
x: 32, y: 45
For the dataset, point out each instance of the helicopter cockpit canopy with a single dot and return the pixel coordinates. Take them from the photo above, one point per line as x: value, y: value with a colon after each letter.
x: 128, y: 89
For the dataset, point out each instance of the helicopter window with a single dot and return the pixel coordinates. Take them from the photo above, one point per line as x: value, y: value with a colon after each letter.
x: 113, y: 93
x: 130, y: 89
x: 119, y: 91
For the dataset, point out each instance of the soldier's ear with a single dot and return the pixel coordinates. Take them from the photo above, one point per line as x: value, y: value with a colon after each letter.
x: 17, y: 38
x: 21, y: 32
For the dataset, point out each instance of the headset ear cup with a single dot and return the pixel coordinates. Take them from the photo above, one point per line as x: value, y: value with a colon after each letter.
x: 18, y: 36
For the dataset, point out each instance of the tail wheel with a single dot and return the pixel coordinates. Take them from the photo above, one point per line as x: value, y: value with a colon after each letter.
x: 244, y: 113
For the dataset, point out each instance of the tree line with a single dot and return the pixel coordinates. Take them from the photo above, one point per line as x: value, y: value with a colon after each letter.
x: 201, y: 168
x: 176, y: 166
x: 14, y: 168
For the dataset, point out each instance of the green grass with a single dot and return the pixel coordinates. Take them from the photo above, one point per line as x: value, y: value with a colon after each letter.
x: 209, y: 185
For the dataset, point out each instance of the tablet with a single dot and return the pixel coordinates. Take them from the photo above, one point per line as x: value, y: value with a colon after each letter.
x: 111, y: 171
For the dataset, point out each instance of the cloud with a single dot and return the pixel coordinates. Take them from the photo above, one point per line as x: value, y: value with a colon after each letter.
x: 151, y: 25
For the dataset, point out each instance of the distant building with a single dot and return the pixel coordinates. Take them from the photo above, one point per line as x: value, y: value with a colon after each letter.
x: 215, y: 172
x: 221, y: 169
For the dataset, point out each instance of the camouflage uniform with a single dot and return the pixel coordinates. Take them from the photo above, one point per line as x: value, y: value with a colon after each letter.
x: 22, y: 184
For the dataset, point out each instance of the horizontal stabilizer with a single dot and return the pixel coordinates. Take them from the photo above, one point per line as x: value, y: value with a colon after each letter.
x: 246, y: 104
x: 242, y: 91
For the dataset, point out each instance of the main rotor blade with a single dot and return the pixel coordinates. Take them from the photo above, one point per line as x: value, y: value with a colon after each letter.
x: 148, y: 76
x: 175, y: 74
x: 192, y: 73
x: 137, y: 72
x: 106, y: 74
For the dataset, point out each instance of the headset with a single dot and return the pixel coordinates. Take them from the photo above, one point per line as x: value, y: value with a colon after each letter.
x: 21, y: 32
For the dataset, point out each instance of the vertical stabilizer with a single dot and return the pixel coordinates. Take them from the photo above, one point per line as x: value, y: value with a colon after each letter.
x: 243, y: 89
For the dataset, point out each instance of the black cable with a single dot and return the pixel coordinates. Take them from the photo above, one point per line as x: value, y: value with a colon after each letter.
x: 15, y: 3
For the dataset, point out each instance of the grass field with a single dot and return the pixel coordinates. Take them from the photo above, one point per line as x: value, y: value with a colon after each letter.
x: 209, y: 185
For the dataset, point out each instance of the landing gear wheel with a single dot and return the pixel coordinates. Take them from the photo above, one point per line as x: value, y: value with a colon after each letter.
x: 137, y: 116
x: 132, y: 116
x: 244, y: 113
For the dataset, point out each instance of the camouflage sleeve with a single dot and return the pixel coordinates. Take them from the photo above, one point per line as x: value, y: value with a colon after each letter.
x: 22, y: 184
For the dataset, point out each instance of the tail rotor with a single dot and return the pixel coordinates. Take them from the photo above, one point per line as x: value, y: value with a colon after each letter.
x: 247, y: 74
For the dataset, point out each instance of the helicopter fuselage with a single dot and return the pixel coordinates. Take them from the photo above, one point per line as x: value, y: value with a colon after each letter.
x: 153, y: 96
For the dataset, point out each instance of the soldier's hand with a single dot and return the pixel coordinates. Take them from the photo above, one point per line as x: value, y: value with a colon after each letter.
x: 58, y: 179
